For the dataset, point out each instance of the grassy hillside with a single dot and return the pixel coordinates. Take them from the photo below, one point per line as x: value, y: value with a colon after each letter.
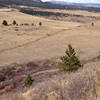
x: 30, y: 48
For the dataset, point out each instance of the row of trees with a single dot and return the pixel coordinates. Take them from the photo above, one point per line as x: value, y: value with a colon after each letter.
x: 5, y: 23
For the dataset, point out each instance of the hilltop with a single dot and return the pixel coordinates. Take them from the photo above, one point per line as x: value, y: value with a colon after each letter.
x: 18, y: 2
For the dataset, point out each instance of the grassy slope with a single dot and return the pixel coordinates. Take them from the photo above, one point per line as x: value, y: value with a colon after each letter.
x: 27, y: 36
x: 32, y: 43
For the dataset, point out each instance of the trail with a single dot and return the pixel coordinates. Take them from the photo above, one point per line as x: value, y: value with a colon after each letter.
x: 34, y: 41
x: 49, y: 70
x: 45, y: 71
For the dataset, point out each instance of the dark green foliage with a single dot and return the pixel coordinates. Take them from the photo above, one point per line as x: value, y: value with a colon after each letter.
x: 14, y: 22
x: 28, y: 81
x: 5, y: 23
x: 46, y: 13
x: 49, y: 13
x: 40, y: 23
x: 70, y: 61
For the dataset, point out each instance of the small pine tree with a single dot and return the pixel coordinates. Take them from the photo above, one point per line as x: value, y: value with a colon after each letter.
x: 40, y: 23
x: 70, y: 61
x: 5, y: 23
x: 14, y: 22
x: 92, y: 24
x: 28, y: 81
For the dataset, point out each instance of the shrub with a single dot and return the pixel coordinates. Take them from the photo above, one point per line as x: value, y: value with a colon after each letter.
x: 14, y: 22
x: 5, y: 23
x: 28, y: 81
x: 32, y: 24
x: 70, y: 61
x: 40, y: 23
x: 92, y: 24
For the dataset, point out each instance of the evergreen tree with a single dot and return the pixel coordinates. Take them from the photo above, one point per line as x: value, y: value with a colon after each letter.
x: 28, y: 81
x: 14, y: 22
x: 40, y: 23
x: 5, y: 23
x: 70, y: 61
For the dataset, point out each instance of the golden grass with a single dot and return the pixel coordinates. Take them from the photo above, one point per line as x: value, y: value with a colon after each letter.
x: 31, y: 43
x: 21, y: 44
x: 25, y: 36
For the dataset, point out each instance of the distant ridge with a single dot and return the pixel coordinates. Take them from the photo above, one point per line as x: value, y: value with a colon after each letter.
x: 18, y: 2
x: 37, y: 3
x: 51, y: 5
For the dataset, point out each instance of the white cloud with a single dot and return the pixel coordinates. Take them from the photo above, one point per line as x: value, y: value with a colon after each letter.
x: 78, y: 1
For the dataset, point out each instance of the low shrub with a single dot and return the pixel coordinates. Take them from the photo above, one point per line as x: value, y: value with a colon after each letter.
x: 92, y: 24
x: 14, y: 22
x: 40, y: 24
x: 28, y: 81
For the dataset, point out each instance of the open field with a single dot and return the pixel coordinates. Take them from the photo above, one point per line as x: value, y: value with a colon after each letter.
x: 22, y: 44
x: 22, y: 40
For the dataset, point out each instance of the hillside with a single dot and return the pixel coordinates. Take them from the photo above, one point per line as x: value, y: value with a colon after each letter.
x: 35, y: 45
x: 48, y: 5
x: 65, y: 15
x: 18, y: 2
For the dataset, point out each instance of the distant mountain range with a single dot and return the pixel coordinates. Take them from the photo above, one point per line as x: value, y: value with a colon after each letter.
x: 19, y: 2
x: 39, y: 2
x: 51, y: 5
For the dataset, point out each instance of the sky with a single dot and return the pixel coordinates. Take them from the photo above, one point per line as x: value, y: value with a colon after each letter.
x: 77, y: 1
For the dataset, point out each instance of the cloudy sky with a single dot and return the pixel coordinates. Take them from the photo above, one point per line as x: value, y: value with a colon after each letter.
x: 78, y: 1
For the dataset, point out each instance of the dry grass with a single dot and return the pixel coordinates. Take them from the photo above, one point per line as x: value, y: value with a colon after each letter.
x: 22, y: 44
x: 70, y: 86
x: 13, y: 38
x: 32, y: 43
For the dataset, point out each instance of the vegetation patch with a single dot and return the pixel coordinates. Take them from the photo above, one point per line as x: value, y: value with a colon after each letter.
x: 70, y: 61
x: 28, y: 81
x: 47, y: 14
x: 5, y: 23
x: 14, y: 22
